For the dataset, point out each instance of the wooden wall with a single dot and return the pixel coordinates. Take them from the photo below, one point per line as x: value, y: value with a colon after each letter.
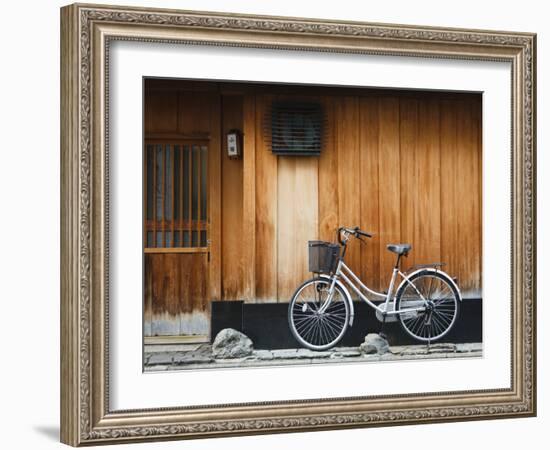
x: 405, y: 166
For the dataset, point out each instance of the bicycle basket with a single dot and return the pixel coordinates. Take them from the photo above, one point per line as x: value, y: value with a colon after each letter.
x: 323, y: 256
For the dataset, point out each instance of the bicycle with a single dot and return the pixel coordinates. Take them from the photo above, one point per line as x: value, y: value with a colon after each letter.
x: 427, y: 300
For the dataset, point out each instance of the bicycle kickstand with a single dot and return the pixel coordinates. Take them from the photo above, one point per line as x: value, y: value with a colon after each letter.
x: 381, y: 332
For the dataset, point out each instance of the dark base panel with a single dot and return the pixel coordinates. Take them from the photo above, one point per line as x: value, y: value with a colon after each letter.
x: 267, y: 324
x: 226, y: 314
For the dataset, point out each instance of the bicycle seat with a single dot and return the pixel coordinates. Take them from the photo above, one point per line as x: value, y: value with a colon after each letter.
x: 400, y: 249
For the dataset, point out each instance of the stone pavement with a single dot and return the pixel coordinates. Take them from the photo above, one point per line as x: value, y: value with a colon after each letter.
x: 199, y: 356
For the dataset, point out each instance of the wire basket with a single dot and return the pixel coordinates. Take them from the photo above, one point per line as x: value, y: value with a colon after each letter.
x: 323, y: 256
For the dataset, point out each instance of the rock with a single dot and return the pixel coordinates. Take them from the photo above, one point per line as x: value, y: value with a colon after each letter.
x: 230, y: 343
x: 374, y: 344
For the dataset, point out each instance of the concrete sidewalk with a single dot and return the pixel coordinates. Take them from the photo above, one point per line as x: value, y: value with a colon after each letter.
x: 199, y: 356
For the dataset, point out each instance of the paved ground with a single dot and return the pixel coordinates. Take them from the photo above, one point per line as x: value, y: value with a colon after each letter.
x: 199, y: 356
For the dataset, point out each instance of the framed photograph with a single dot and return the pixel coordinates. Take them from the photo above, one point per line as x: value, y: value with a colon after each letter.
x: 276, y: 224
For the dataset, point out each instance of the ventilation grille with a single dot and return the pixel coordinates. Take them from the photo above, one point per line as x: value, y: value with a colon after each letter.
x: 294, y: 128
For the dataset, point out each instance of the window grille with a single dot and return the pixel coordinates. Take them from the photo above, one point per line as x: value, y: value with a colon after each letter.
x: 176, y: 193
x: 296, y: 128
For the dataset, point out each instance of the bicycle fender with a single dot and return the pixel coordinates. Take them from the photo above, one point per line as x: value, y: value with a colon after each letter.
x: 348, y: 298
x: 431, y: 269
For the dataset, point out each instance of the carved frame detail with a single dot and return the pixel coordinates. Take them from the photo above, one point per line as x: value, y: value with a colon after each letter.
x: 87, y: 31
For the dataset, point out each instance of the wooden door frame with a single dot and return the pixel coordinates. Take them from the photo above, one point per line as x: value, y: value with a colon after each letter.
x: 214, y: 243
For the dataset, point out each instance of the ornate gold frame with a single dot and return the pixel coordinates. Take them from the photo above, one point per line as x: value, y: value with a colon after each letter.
x: 86, y: 31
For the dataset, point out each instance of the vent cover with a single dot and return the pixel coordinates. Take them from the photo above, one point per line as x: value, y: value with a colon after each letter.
x: 295, y: 128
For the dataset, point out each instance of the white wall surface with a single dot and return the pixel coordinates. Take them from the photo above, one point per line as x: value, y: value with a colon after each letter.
x: 29, y: 223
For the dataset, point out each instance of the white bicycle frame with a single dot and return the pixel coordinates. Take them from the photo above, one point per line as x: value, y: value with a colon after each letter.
x: 343, y: 272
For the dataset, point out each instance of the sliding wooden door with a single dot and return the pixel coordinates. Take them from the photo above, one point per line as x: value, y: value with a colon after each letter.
x: 176, y: 237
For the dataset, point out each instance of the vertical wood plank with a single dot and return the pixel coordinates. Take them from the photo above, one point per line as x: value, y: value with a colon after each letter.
x: 173, y: 219
x: 468, y: 211
x: 249, y: 198
x: 287, y: 210
x: 450, y: 179
x: 369, y: 140
x: 145, y: 192
x: 478, y: 226
x: 190, y: 205
x: 232, y: 204
x: 163, y: 196
x: 214, y: 199
x: 182, y: 156
x: 199, y: 183
x: 328, y: 177
x: 427, y: 236
x: 266, y: 210
x: 306, y: 222
x: 389, y: 198
x: 297, y: 215
x: 408, y: 129
x: 154, y: 196
x: 347, y: 142
x: 148, y: 298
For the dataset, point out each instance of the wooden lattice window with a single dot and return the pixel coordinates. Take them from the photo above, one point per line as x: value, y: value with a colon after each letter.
x: 176, y: 193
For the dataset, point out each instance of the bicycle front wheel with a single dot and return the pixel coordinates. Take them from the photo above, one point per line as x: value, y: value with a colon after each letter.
x: 437, y: 315
x: 313, y: 327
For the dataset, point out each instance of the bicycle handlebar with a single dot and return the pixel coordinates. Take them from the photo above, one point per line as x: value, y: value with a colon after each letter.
x: 356, y: 232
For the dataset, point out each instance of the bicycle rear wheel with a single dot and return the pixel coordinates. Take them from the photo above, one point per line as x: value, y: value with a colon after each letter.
x: 441, y: 312
x: 312, y: 328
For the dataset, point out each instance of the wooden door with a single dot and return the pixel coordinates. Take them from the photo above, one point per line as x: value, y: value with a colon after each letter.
x: 176, y: 237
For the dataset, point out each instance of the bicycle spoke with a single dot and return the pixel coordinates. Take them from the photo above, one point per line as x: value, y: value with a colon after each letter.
x: 317, y: 333
x: 335, y: 324
x: 326, y: 331
x: 312, y: 328
x: 310, y: 333
x: 441, y: 309
x: 417, y: 324
x: 446, y: 319
x: 428, y: 297
x: 437, y: 325
x: 446, y: 315
x: 304, y: 329
x: 321, y: 331
x: 334, y: 330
